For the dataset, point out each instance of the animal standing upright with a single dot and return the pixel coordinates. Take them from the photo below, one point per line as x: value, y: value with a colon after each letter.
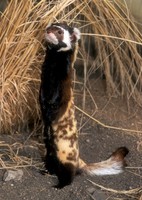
x: 58, y: 112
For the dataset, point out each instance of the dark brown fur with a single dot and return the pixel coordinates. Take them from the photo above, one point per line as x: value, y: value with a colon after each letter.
x: 57, y: 106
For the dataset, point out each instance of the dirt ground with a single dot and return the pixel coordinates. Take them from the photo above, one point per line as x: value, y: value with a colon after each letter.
x: 96, y: 143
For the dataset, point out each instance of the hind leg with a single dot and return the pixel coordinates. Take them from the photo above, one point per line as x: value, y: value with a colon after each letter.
x: 65, y: 174
x: 50, y: 157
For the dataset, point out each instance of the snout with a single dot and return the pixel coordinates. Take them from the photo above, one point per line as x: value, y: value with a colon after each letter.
x: 50, y: 37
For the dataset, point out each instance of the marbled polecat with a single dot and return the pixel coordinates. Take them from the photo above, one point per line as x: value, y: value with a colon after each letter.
x: 57, y: 106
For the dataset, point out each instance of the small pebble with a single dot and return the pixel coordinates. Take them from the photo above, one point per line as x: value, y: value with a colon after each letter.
x: 91, y: 190
x: 13, y: 175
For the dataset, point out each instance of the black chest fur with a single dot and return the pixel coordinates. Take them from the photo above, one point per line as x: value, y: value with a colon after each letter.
x: 56, y: 71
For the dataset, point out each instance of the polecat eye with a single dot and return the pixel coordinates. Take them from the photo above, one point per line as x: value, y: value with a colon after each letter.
x: 60, y: 32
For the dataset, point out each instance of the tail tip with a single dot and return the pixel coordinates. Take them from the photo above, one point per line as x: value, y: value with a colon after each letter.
x: 122, y: 150
x: 120, y: 153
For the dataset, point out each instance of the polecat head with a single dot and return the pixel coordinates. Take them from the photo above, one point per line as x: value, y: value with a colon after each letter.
x: 61, y: 37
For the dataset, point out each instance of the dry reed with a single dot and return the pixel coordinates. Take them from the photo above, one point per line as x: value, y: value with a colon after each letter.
x: 10, y: 158
x: 116, y: 38
x: 117, y: 44
x: 21, y: 34
x: 132, y: 194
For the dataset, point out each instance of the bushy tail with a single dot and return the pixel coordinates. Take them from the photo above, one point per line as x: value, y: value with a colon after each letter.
x: 114, y: 165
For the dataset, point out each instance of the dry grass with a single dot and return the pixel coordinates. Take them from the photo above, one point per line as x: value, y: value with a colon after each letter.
x: 12, y: 158
x: 118, y: 44
x: 110, y: 29
x: 116, y: 41
x: 19, y: 73
x: 21, y: 34
x: 126, y: 194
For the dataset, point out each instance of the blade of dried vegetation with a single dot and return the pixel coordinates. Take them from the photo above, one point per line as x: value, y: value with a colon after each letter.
x: 21, y: 34
x: 107, y: 25
x: 118, y: 46
x: 10, y: 158
x: 133, y: 193
x: 117, y: 54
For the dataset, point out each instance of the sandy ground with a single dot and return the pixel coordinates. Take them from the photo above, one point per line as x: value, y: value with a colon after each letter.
x: 96, y: 144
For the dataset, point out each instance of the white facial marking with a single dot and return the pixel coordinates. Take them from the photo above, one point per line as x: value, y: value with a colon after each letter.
x: 50, y: 37
x: 66, y: 40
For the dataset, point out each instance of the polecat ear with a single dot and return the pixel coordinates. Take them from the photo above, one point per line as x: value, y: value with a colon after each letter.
x: 75, y: 35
